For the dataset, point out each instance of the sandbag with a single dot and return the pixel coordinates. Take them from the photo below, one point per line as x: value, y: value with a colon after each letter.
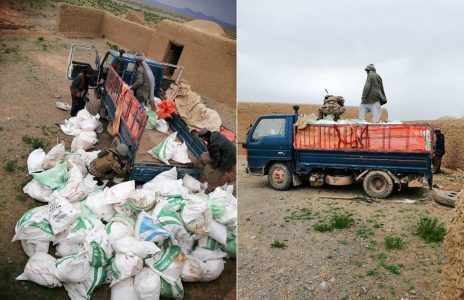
x: 75, y: 160
x: 168, y: 263
x: 172, y: 291
x: 124, y: 290
x: 197, y: 215
x: 37, y: 191
x: 147, y: 285
x: 61, y: 213
x: 192, y: 184
x: 70, y: 127
x: 129, y: 245
x: 85, y: 222
x: 124, y: 266
x: 177, y: 203
x: 87, y: 157
x: 34, y: 226
x: 163, y: 126
x: 170, y: 174
x: 119, y: 192
x: 72, y: 268
x: 167, y: 188
x: 231, y: 247
x: 118, y: 227
x: 213, y: 269
x: 165, y: 150
x: 229, y: 202
x: 98, y: 246
x: 40, y: 269
x: 193, y: 270
x: 54, y: 178
x: 140, y: 200
x: 147, y: 229
x: 218, y: 232
x: 66, y: 248
x: 94, y: 202
x: 207, y: 249
x: 78, y: 189
x: 31, y: 247
x: 84, y: 290
x: 35, y: 160
x: 54, y: 156
x: 91, y: 124
x: 85, y: 140
x: 180, y: 154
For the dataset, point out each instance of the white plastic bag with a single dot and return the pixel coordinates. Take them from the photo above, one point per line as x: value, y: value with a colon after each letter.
x: 165, y: 150
x: 35, y: 160
x: 85, y: 289
x: 171, y: 174
x: 94, y: 202
x: 72, y: 268
x: 61, y: 213
x: 229, y: 215
x: 85, y: 140
x: 197, y: 215
x: 91, y: 124
x: 147, y: 285
x: 75, y: 160
x: 66, y: 248
x: 37, y: 191
x: 119, y: 192
x: 129, y: 245
x: 69, y: 128
x: 54, y: 156
x: 87, y: 157
x: 180, y: 154
x: 192, y: 184
x: 218, y: 232
x: 208, y: 249
x: 193, y: 270
x: 124, y: 266
x: 118, y: 227
x: 32, y: 247
x: 213, y: 269
x: 40, y: 269
x: 167, y: 188
x: 167, y: 263
x: 34, y: 226
x: 78, y: 188
x: 162, y: 126
x: 124, y: 290
x: 172, y: 291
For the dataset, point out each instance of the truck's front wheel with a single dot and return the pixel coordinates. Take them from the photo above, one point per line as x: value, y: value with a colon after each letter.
x: 378, y: 184
x: 280, y: 176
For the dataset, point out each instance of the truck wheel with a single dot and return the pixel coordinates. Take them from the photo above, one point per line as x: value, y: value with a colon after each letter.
x: 280, y: 177
x: 378, y: 184
x: 444, y: 197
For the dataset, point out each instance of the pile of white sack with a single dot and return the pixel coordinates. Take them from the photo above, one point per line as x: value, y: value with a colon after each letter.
x: 84, y: 127
x: 144, y: 241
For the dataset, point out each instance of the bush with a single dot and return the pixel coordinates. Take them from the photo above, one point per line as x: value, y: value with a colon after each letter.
x: 278, y: 244
x: 393, y: 242
x: 10, y: 166
x: 322, y: 227
x: 429, y: 230
x: 341, y: 221
x: 395, y: 269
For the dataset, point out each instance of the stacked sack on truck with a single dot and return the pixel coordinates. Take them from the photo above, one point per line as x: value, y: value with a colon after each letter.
x: 144, y: 241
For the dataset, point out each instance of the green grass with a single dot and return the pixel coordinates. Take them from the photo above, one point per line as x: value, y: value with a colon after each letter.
x: 372, y: 245
x: 10, y: 166
x: 278, y: 244
x: 322, y: 227
x: 34, y: 142
x: 341, y: 221
x: 299, y: 214
x: 393, y: 268
x: 430, y: 230
x: 382, y: 256
x: 40, y: 39
x: 364, y: 232
x: 393, y: 242
x: 355, y: 262
x: 371, y: 272
x: 378, y: 225
x: 21, y: 198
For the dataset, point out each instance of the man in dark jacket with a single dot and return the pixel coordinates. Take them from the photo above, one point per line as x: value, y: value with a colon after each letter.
x: 373, y: 96
x: 438, y: 151
x: 222, y: 158
x: 79, y: 89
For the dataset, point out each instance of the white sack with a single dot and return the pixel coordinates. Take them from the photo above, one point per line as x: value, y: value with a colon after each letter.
x: 213, y: 269
x: 72, y: 268
x: 119, y: 192
x: 66, y: 248
x: 37, y: 191
x: 124, y: 266
x: 218, y: 232
x: 35, y: 160
x: 95, y: 203
x: 124, y: 290
x: 32, y: 247
x: 167, y: 263
x: 34, y: 226
x: 54, y: 156
x: 61, y: 213
x: 147, y: 285
x: 39, y: 269
x: 85, y: 140
x: 99, y: 247
x: 192, y: 184
x: 197, y: 215
x: 180, y: 154
x: 229, y: 216
x: 129, y: 245
x: 85, y: 289
x: 87, y: 157
x: 193, y: 270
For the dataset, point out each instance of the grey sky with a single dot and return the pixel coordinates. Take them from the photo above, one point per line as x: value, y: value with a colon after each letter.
x: 289, y: 51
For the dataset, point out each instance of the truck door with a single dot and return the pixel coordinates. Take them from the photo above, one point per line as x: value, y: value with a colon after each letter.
x: 270, y: 139
x: 82, y: 57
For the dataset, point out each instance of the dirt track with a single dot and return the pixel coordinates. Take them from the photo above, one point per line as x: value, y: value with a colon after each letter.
x: 346, y: 263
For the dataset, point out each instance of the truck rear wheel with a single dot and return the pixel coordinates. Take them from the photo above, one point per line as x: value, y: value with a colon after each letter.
x: 378, y: 184
x: 280, y: 177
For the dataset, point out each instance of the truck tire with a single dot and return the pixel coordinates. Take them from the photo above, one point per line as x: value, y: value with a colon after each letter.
x: 280, y: 176
x: 444, y: 197
x: 378, y: 184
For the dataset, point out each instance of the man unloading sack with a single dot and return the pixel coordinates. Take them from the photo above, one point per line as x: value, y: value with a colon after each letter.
x: 110, y: 163
x: 334, y: 106
x: 221, y: 157
x: 373, y: 96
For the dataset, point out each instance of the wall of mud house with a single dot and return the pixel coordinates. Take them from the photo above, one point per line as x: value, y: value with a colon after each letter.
x: 452, y: 279
x: 209, y: 60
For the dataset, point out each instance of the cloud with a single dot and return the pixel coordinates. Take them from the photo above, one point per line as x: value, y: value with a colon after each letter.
x: 292, y: 50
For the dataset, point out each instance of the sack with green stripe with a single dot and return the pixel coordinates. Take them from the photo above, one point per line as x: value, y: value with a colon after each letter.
x: 208, y: 248
x: 119, y: 226
x: 197, y: 215
x: 86, y: 220
x: 84, y: 290
x: 152, y: 121
x: 168, y: 263
x: 165, y: 150
x: 99, y: 248
x: 231, y: 247
x: 172, y: 291
x: 34, y: 225
x: 166, y: 217
x: 72, y: 268
x: 177, y: 203
x: 54, y: 178
x: 124, y: 266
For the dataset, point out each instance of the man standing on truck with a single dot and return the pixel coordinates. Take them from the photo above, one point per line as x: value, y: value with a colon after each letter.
x: 438, y: 151
x: 144, y: 85
x: 221, y: 156
x: 373, y: 96
x: 79, y: 89
x: 110, y: 163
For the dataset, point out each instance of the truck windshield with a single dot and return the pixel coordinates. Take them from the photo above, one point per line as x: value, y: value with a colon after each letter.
x: 268, y: 127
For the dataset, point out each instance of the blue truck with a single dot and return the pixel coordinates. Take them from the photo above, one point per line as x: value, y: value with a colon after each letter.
x: 108, y: 88
x: 382, y: 156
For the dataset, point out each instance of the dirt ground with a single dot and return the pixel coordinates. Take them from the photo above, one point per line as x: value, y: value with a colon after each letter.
x: 350, y: 263
x: 33, y: 64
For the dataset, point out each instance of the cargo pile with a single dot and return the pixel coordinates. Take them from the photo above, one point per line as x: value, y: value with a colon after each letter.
x: 142, y: 240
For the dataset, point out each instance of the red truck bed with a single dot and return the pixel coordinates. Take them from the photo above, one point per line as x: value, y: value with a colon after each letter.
x: 368, y: 137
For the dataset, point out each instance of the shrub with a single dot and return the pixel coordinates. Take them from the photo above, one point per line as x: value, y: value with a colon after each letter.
x: 322, y: 227
x: 10, y: 166
x: 341, y: 221
x: 278, y: 244
x: 429, y: 230
x: 35, y: 143
x: 393, y: 242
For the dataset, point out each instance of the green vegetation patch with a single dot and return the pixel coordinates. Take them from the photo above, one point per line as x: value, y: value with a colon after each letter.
x: 34, y: 142
x: 393, y: 242
x: 430, y: 230
x: 278, y: 244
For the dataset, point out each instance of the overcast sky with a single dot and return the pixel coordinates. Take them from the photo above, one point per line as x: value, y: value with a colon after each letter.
x: 290, y: 51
